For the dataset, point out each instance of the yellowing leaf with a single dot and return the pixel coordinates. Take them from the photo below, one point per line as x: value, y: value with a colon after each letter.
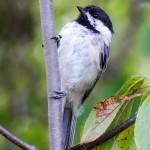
x: 125, y: 138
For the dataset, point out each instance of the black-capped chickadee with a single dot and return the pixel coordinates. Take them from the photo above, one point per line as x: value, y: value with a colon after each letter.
x: 83, y: 51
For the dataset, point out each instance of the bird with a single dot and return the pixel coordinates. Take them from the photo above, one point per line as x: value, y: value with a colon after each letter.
x: 83, y: 52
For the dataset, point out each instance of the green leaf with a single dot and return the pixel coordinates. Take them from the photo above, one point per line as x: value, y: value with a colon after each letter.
x: 131, y: 86
x: 125, y: 138
x: 142, y: 126
x: 144, y: 97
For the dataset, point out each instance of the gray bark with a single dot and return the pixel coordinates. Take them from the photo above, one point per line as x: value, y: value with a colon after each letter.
x: 52, y: 74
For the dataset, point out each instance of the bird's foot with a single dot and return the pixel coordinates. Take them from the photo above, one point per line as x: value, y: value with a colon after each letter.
x: 60, y: 94
x: 57, y: 38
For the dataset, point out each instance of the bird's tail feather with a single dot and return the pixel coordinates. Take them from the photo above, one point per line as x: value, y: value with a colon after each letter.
x: 69, y: 124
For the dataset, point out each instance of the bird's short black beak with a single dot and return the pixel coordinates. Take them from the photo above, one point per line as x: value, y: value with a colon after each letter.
x: 81, y: 9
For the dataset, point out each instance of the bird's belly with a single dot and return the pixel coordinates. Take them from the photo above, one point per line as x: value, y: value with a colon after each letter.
x: 87, y: 79
x: 78, y: 75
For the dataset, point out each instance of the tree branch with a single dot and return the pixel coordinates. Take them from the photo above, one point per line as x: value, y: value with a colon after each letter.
x: 15, y: 140
x: 106, y: 136
x: 52, y: 74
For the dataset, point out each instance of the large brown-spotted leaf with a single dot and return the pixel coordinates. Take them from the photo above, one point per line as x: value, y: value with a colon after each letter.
x: 102, y: 115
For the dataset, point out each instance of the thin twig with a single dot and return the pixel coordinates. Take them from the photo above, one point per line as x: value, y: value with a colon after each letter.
x: 52, y: 74
x: 15, y: 140
x: 106, y: 136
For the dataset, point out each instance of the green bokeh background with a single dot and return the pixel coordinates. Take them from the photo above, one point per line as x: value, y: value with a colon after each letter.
x: 23, y: 97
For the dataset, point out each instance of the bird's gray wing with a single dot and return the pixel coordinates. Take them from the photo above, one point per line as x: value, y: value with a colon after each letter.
x: 104, y: 56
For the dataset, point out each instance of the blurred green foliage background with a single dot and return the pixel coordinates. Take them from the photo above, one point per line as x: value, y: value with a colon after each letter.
x: 23, y: 93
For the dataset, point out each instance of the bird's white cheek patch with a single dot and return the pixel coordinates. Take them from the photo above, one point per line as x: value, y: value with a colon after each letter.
x: 99, y: 26
x: 90, y: 19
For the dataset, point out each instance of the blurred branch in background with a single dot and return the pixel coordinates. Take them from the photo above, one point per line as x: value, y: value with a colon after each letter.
x: 128, y: 38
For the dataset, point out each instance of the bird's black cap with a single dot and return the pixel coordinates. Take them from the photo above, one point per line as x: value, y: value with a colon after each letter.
x: 97, y: 13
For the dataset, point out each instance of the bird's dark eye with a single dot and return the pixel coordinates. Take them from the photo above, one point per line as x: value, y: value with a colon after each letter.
x: 92, y: 13
x: 95, y: 15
